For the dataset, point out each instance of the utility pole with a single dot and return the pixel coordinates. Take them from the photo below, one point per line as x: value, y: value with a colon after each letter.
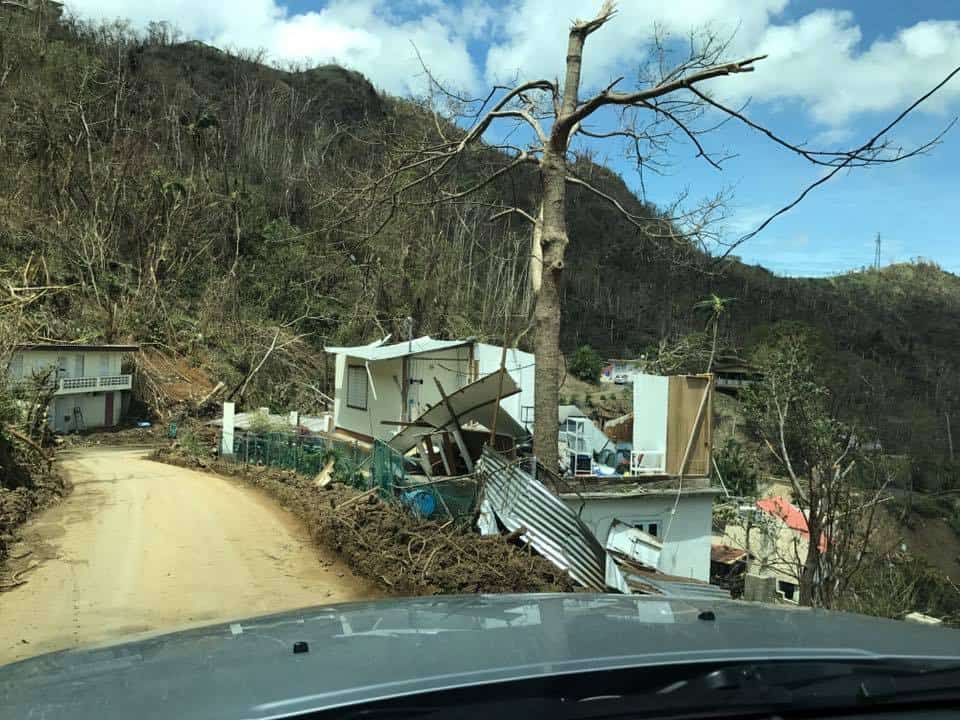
x: 876, y: 255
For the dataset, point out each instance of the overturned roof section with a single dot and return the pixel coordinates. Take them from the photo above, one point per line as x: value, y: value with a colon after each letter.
x: 379, y: 351
x: 474, y: 402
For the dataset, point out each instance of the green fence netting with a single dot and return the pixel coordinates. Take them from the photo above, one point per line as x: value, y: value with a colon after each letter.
x: 453, y: 498
x: 385, y: 468
x: 306, y: 454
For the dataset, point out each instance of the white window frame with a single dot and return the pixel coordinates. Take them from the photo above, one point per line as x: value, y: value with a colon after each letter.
x: 354, y: 375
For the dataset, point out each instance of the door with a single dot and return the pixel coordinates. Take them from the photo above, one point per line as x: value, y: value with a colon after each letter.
x: 59, y: 415
x: 108, y: 409
x: 78, y: 365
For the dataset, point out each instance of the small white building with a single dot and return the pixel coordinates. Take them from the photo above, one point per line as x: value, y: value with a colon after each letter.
x: 90, y: 390
x: 677, y: 517
x: 377, y: 385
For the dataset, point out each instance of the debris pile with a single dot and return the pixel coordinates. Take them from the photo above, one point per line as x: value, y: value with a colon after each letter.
x: 386, y: 543
x: 17, y: 505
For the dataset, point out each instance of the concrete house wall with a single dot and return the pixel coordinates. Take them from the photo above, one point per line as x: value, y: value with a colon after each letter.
x: 73, y: 364
x: 686, y: 547
x: 94, y: 364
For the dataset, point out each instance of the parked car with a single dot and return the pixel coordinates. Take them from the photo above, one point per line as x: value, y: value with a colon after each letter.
x: 621, y: 378
x: 550, y: 655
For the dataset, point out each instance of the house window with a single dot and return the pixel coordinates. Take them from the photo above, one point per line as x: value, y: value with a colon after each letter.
x: 357, y: 387
x: 787, y: 588
x: 653, y: 529
x: 526, y: 414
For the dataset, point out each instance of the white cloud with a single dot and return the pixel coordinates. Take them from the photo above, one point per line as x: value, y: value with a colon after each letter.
x: 818, y: 61
x: 361, y: 34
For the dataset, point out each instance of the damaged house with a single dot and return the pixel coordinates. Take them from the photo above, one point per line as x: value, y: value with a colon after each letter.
x: 657, y: 513
x: 378, y: 387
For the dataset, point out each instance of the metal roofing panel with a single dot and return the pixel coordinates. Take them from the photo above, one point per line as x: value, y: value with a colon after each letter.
x: 552, y: 528
x: 417, y: 346
x: 677, y: 588
x: 472, y: 403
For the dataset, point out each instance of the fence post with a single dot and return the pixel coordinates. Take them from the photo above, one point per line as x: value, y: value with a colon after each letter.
x: 226, y: 436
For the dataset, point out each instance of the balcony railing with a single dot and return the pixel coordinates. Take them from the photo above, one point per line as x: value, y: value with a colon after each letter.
x: 66, y: 386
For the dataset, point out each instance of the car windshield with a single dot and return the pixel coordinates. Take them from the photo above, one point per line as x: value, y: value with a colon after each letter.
x: 311, y: 304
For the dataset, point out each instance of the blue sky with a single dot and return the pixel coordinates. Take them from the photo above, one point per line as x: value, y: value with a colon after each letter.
x: 838, y: 70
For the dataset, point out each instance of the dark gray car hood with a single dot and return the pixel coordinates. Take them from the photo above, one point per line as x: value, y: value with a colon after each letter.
x: 363, y: 651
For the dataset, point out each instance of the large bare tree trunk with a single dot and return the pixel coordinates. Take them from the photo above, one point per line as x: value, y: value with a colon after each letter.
x: 547, y: 311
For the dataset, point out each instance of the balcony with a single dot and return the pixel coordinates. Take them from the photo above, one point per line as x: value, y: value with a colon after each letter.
x: 69, y: 386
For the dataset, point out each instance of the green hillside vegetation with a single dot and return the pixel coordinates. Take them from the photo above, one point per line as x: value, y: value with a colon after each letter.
x: 184, y: 198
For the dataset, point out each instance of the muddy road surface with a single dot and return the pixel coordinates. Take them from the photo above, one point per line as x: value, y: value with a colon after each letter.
x: 140, y: 547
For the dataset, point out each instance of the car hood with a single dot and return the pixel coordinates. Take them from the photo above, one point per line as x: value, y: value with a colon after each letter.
x: 365, y: 651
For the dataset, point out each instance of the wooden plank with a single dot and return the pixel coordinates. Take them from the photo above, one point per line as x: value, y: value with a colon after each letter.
x: 694, y: 431
x: 686, y: 392
x: 457, y: 435
x: 423, y: 455
x: 447, y: 447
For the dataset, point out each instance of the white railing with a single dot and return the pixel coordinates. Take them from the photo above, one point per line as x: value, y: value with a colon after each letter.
x: 648, y: 462
x: 93, y: 384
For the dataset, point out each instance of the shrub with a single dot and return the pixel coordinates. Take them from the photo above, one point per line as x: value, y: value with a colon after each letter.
x: 586, y: 364
x: 738, y: 468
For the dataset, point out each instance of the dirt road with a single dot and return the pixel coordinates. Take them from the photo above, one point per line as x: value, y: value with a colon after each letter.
x: 140, y: 546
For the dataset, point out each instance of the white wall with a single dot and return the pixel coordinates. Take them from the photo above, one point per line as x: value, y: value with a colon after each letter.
x: 95, y: 364
x: 450, y: 366
x: 520, y: 366
x: 650, y: 401
x: 92, y: 405
x: 686, y: 547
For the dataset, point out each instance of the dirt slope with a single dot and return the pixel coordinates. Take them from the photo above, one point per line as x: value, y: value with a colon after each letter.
x: 141, y: 546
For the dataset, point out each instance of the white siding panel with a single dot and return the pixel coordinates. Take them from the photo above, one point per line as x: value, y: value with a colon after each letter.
x: 650, y: 396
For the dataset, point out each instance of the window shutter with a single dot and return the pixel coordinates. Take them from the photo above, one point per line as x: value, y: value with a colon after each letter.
x: 357, y: 387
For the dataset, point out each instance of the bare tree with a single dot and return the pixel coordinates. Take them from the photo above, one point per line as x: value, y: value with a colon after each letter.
x: 553, y: 122
x: 836, y: 485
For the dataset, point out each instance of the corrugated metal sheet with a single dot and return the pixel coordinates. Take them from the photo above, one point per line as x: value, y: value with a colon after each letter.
x: 552, y: 528
x: 675, y: 587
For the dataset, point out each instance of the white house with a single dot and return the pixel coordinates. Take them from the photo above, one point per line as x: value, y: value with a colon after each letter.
x: 677, y: 517
x: 377, y: 385
x: 664, y: 508
x: 90, y: 389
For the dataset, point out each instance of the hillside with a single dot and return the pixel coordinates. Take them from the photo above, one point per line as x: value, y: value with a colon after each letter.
x: 179, y: 196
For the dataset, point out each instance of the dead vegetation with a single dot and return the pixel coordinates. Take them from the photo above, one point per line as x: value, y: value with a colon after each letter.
x: 16, y: 506
x: 386, y: 544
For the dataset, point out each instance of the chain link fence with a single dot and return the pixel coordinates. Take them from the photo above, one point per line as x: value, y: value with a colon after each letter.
x: 385, y: 468
x: 305, y: 454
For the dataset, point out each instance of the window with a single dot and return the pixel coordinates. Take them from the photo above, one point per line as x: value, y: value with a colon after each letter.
x: 357, y: 387
x: 653, y: 529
